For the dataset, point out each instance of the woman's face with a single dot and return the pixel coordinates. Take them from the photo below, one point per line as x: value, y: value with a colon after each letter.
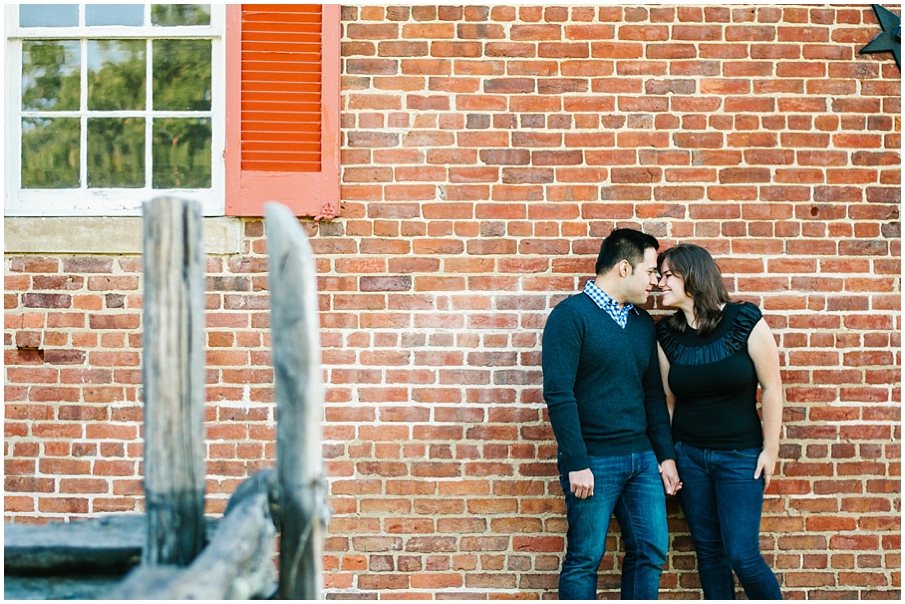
x: 672, y: 287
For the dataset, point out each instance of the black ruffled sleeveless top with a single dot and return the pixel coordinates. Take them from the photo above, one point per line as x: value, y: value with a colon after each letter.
x: 714, y: 381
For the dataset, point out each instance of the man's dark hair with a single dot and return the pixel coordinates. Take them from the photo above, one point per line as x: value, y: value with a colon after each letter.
x: 623, y: 244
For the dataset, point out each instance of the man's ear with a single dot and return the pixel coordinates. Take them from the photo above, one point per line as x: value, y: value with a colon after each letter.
x: 624, y: 267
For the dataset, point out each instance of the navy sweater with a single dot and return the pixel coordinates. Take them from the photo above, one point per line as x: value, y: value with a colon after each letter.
x: 602, y: 384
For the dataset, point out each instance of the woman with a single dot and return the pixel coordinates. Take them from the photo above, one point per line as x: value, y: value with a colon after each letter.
x: 713, y: 354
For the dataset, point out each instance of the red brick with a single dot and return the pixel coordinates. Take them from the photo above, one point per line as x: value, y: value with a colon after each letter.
x: 436, y: 580
x: 120, y: 321
x: 589, y: 32
x: 646, y: 33
x: 31, y: 300
x: 34, y: 264
x: 369, y: 31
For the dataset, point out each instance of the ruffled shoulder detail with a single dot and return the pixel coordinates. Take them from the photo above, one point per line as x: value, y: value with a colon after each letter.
x: 733, y: 340
x: 747, y: 317
x: 667, y: 341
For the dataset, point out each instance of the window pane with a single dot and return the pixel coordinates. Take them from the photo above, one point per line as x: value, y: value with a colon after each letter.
x: 116, y: 152
x: 48, y: 15
x: 50, y: 75
x: 182, y: 153
x: 182, y: 75
x: 115, y: 14
x: 50, y: 153
x: 116, y: 74
x: 180, y: 14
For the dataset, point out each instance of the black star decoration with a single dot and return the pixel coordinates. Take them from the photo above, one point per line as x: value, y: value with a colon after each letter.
x: 888, y: 40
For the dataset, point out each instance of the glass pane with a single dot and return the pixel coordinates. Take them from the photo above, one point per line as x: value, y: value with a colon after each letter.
x: 116, y: 152
x: 182, y: 153
x: 116, y: 74
x: 50, y: 75
x: 182, y: 75
x: 115, y: 14
x: 180, y: 14
x: 48, y: 15
x: 50, y: 153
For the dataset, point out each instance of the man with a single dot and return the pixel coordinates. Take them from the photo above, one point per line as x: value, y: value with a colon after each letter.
x: 603, y: 390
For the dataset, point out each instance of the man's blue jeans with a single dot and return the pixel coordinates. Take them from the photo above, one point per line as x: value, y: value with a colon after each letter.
x: 723, y: 503
x: 630, y: 486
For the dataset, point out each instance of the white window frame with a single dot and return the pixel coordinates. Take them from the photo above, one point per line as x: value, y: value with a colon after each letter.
x: 109, y: 201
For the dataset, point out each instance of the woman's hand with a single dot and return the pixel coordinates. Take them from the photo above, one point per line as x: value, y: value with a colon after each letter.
x: 670, y: 476
x: 766, y: 463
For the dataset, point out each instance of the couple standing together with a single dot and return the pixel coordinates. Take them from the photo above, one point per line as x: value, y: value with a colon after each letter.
x: 639, y: 409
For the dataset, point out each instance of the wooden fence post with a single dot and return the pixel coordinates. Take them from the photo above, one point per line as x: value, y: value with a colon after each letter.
x: 173, y: 375
x: 299, y: 389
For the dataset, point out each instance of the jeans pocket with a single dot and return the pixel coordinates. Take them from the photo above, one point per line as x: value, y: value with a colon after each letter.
x: 747, y: 453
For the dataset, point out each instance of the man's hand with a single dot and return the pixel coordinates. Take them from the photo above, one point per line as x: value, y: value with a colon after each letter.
x: 581, y: 482
x: 670, y: 476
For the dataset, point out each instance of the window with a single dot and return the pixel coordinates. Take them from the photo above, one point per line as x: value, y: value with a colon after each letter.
x: 109, y: 105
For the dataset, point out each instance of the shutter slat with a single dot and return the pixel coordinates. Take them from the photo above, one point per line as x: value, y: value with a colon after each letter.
x: 271, y: 45
x: 294, y: 147
x: 298, y: 157
x: 282, y: 52
x: 268, y: 95
x: 279, y: 30
x: 294, y: 65
x: 298, y: 11
x: 280, y: 109
x: 273, y: 79
x: 276, y: 137
x: 285, y: 118
x: 308, y: 51
x: 270, y: 166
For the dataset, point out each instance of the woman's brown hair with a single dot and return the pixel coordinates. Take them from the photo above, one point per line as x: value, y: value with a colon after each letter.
x: 703, y: 283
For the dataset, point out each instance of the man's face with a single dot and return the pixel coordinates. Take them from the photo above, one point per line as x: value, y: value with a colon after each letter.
x: 639, y: 283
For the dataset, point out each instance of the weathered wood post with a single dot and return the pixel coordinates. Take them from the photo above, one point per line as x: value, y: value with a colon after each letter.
x: 173, y: 375
x: 299, y: 389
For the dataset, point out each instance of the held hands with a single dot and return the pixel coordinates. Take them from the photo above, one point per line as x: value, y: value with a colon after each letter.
x: 670, y: 476
x: 766, y: 462
x: 581, y: 483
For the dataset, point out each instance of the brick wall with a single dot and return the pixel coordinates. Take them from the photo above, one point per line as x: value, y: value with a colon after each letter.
x: 486, y: 151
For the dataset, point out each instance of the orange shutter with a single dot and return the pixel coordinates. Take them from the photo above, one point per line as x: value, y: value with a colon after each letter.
x: 282, y: 108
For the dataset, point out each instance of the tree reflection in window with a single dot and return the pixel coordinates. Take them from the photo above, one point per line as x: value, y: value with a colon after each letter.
x: 182, y: 153
x: 180, y: 14
x: 116, y: 75
x: 50, y: 153
x: 50, y: 75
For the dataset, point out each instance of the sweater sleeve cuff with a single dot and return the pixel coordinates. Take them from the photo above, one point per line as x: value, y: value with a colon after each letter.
x: 575, y: 463
x: 663, y: 447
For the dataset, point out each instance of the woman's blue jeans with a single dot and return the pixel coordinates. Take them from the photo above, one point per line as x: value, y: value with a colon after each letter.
x: 723, y: 503
x: 630, y: 486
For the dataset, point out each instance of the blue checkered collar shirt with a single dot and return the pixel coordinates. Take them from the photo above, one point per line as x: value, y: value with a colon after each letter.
x: 612, y: 308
